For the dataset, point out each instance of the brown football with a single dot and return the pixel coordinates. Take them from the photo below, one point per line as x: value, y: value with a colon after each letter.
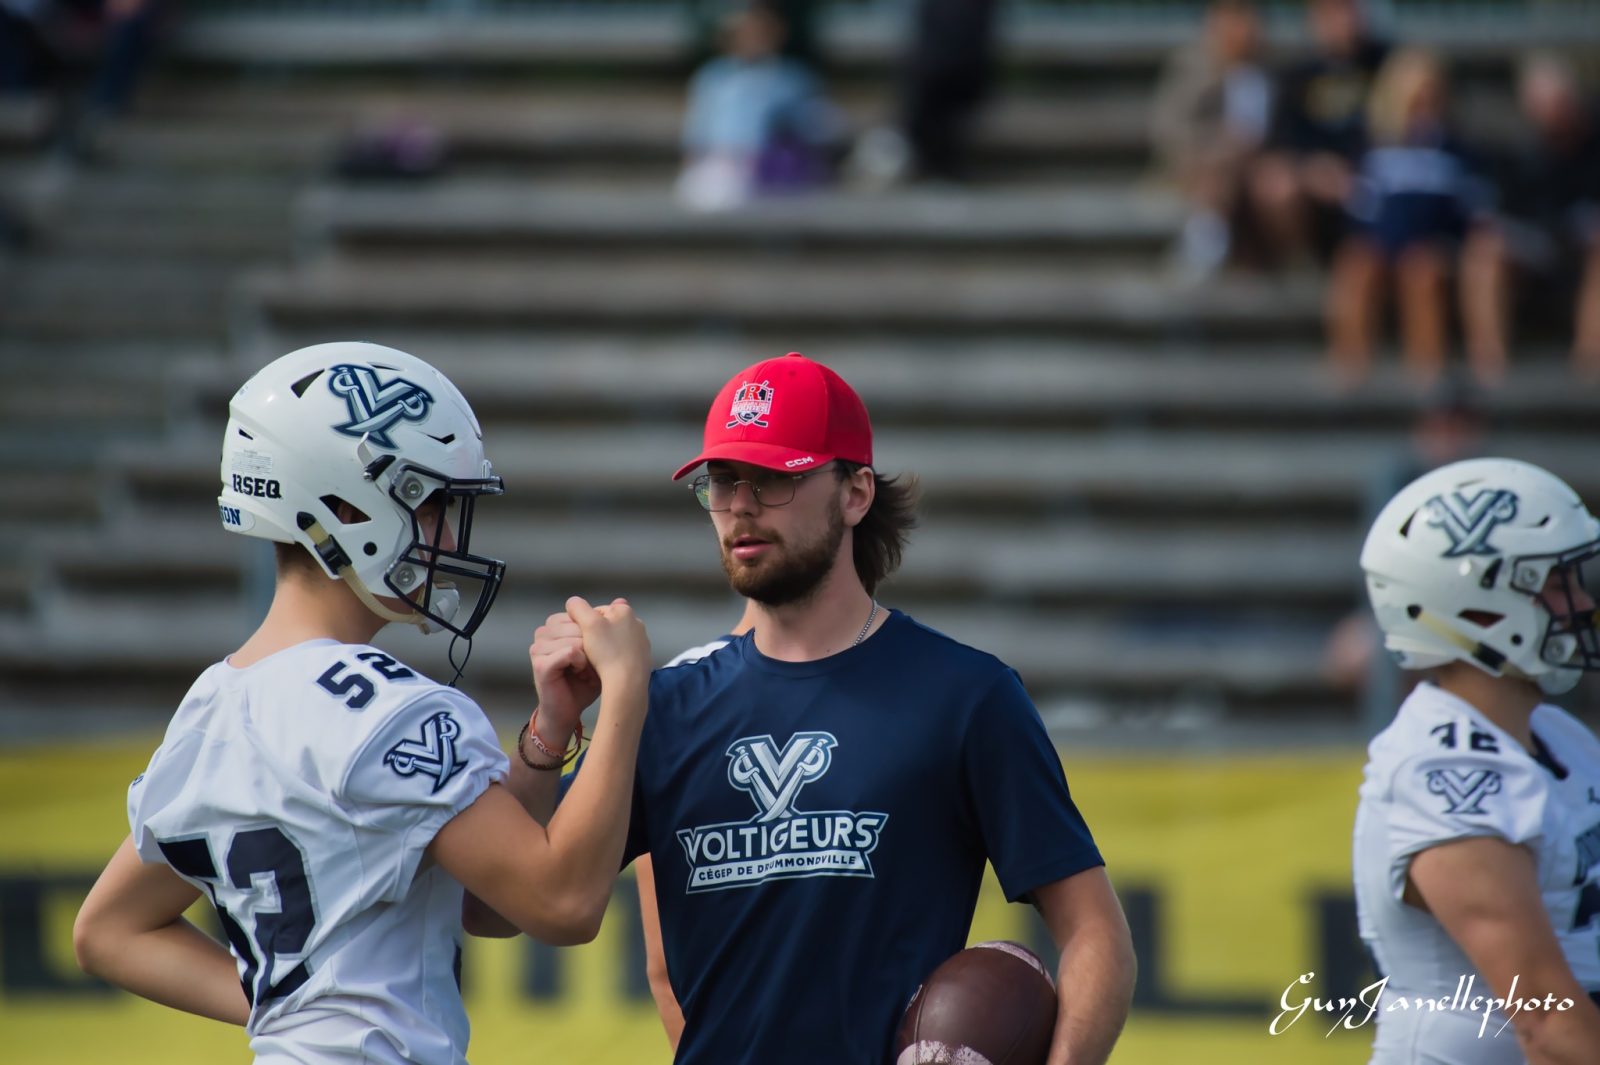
x: 992, y: 1004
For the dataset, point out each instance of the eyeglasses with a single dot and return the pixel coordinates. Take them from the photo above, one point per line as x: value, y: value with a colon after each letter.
x: 715, y: 491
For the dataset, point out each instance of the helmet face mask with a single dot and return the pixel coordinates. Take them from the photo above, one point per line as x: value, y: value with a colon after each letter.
x: 1488, y: 562
x: 337, y: 447
x: 450, y: 578
x: 1572, y: 640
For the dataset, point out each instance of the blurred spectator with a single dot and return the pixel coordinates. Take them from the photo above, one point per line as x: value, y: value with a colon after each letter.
x: 1299, y: 186
x: 949, y: 70
x: 27, y: 62
x: 1450, y: 425
x: 757, y: 120
x: 1546, y: 234
x: 398, y: 148
x: 1208, y: 121
x: 1410, y: 204
x: 48, y: 46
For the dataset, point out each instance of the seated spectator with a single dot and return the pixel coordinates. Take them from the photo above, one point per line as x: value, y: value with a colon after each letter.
x: 1299, y: 185
x: 757, y: 121
x: 1410, y: 205
x: 948, y: 70
x: 1543, y: 243
x: 1208, y: 121
x: 49, y: 47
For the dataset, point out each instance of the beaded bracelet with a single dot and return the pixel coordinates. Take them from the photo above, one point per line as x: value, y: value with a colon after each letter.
x: 561, y: 762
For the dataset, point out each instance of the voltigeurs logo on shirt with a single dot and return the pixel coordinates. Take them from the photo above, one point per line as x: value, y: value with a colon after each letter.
x: 780, y: 841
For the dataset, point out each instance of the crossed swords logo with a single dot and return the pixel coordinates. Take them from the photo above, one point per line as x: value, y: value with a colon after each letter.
x: 1464, y: 792
x: 434, y: 754
x: 1468, y: 522
x: 375, y: 406
x: 773, y: 777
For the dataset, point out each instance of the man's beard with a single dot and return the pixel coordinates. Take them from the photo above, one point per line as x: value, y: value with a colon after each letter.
x: 787, y: 575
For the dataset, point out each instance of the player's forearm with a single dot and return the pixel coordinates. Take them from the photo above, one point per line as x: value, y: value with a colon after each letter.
x: 1549, y: 1037
x: 536, y: 791
x: 1094, y: 985
x: 176, y: 965
x: 590, y: 829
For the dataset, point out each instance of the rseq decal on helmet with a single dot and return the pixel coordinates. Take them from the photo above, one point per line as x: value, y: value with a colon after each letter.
x: 375, y: 406
x: 1468, y: 522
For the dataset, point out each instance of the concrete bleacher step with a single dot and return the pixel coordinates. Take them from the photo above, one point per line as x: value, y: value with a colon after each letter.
x: 1058, y: 655
x: 540, y: 378
x: 476, y: 219
x: 776, y: 293
x: 631, y: 135
x: 1108, y: 39
x: 1074, y: 562
x: 1027, y: 471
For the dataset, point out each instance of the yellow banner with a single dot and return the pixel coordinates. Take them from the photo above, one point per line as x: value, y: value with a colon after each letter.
x: 1235, y: 873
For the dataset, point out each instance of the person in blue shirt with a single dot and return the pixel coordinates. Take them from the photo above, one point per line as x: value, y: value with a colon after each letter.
x: 819, y: 797
x: 756, y: 120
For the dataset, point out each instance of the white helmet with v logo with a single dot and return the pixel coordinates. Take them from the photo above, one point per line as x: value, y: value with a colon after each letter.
x: 384, y: 433
x: 1484, y: 561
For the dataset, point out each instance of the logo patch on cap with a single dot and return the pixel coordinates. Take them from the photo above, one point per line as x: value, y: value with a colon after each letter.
x: 751, y: 402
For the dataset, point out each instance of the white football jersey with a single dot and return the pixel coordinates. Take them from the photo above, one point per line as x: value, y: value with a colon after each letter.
x: 1441, y: 772
x: 300, y: 794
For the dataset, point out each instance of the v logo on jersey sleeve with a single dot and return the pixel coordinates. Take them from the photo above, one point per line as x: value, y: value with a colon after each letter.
x: 780, y: 841
x: 1464, y: 792
x: 433, y: 754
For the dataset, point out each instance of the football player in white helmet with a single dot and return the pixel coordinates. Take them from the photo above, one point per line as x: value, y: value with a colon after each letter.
x: 1477, y: 838
x: 330, y: 801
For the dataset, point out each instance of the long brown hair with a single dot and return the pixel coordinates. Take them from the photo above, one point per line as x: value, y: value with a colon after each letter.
x: 879, y: 540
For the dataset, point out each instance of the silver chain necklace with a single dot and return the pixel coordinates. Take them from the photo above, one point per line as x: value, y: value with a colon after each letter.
x: 862, y: 635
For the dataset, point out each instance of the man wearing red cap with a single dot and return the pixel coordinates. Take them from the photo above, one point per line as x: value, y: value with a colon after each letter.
x: 819, y: 796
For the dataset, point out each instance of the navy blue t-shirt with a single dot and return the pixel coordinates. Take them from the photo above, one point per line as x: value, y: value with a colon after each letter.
x: 819, y: 831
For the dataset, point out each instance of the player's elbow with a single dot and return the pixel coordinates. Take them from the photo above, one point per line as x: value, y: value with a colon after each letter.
x: 566, y: 920
x: 580, y: 920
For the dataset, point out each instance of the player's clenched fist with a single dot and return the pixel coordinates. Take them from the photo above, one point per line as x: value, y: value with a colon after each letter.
x: 614, y: 641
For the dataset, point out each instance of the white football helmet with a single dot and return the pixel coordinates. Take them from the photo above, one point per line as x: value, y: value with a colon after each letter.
x: 1484, y: 561
x: 384, y: 432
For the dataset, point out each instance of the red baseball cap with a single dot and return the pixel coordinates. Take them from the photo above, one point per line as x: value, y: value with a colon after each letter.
x: 787, y: 414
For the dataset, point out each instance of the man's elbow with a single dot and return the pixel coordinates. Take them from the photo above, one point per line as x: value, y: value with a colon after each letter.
x: 89, y: 944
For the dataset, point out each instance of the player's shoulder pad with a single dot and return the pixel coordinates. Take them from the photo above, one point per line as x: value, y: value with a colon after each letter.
x: 416, y: 730
x: 1490, y: 792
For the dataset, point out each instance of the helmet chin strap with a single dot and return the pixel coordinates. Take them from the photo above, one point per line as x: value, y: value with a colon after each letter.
x: 1481, y: 653
x: 334, y: 557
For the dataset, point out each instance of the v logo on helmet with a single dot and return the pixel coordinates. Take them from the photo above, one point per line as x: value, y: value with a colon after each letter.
x: 1468, y: 522
x: 375, y: 406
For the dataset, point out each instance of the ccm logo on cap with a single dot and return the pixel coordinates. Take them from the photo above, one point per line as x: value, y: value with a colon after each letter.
x: 792, y: 463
